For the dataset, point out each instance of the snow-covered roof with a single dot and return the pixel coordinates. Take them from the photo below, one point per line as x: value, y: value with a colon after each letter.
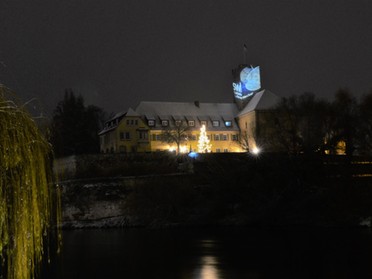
x: 187, y: 108
x: 262, y: 100
x: 131, y: 112
x: 190, y: 111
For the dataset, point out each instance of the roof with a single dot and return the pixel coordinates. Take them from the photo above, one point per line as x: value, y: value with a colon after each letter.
x: 187, y: 109
x: 131, y: 112
x: 190, y: 111
x: 262, y: 100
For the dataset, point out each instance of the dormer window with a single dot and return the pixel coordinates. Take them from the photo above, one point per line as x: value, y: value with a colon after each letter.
x: 178, y: 123
x: 203, y: 123
x: 228, y: 123
x: 215, y: 123
x: 191, y: 123
x: 164, y: 123
x: 151, y: 123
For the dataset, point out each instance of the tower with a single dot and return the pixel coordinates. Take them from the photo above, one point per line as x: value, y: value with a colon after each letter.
x: 246, y: 82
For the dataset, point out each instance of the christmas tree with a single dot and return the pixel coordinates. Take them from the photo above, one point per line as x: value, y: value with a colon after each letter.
x: 204, y: 145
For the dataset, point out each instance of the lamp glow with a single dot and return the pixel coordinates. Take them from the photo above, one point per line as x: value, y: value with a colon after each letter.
x: 256, y: 150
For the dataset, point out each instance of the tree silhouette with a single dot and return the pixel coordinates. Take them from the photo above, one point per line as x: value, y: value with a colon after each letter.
x: 75, y: 128
x: 175, y: 134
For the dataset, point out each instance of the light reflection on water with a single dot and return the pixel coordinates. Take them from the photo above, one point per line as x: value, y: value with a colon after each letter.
x: 213, y: 254
x: 209, y: 263
x: 209, y: 268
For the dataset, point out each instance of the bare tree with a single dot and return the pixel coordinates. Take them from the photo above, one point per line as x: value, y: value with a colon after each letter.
x: 175, y: 134
x: 245, y: 141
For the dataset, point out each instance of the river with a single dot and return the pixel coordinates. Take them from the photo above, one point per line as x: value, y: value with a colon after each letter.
x: 213, y: 253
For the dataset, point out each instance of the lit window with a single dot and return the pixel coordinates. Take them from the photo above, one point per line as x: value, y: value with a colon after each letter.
x: 215, y: 123
x: 164, y: 123
x: 192, y: 123
x: 228, y: 123
x: 151, y: 123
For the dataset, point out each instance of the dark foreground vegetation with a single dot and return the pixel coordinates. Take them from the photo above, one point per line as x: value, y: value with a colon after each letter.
x: 224, y: 189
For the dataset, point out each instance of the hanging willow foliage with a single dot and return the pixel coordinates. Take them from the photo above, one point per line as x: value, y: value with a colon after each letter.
x: 28, y: 206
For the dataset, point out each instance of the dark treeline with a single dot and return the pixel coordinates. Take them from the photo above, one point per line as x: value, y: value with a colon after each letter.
x: 306, y: 124
x: 298, y: 124
x: 75, y: 127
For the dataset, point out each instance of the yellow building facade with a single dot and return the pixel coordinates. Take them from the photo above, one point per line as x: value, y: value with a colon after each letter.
x: 228, y: 128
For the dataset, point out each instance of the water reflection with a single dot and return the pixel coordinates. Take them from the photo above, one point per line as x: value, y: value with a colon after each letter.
x: 213, y: 254
x: 209, y: 264
x: 209, y: 268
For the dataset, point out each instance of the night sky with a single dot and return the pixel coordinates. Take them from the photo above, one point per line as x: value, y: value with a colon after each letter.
x: 118, y: 53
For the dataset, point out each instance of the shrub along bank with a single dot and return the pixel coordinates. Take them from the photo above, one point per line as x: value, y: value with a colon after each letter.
x: 224, y: 189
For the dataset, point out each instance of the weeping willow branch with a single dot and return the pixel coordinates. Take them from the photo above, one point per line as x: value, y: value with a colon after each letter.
x: 28, y: 204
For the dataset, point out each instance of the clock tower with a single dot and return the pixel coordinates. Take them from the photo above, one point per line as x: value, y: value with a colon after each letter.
x: 246, y: 82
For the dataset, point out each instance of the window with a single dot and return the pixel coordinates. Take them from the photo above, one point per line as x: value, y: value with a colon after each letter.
x: 143, y: 135
x: 178, y: 123
x: 215, y: 123
x: 218, y: 150
x: 216, y: 137
x: 224, y: 137
x: 234, y: 137
x: 203, y: 123
x: 132, y: 122
x: 124, y: 136
x: 156, y: 137
x: 228, y: 123
x: 191, y: 123
x: 164, y: 123
x: 225, y: 150
x: 191, y: 137
x: 151, y: 123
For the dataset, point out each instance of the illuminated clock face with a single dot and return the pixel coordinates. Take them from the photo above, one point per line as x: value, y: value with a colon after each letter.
x: 250, y: 78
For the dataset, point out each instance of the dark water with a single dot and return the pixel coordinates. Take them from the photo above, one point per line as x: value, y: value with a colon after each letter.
x: 214, y: 254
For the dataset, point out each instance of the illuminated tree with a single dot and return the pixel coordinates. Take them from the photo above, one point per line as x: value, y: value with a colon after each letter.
x: 27, y: 207
x: 204, y: 145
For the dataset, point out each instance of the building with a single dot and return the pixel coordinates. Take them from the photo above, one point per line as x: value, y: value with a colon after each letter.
x: 231, y: 127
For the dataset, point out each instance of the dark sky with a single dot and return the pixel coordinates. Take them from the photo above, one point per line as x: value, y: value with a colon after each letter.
x: 117, y: 53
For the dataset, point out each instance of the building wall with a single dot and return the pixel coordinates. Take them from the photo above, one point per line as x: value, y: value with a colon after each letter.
x: 131, y: 135
x: 221, y: 141
x: 248, y: 125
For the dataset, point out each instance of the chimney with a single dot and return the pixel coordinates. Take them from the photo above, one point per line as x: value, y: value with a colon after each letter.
x: 197, y: 104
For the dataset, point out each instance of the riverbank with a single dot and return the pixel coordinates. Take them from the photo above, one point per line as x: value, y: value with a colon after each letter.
x: 222, y: 190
